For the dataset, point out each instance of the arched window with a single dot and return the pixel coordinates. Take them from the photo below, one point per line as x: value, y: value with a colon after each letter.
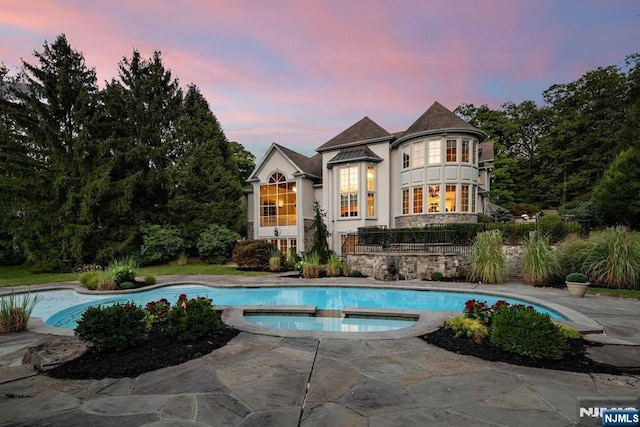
x: 278, y: 202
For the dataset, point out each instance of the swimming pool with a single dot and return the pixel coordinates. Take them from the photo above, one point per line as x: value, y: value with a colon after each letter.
x: 62, y: 308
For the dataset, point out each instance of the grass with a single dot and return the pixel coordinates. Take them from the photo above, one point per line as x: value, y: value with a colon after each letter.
x: 23, y: 275
x: 620, y: 293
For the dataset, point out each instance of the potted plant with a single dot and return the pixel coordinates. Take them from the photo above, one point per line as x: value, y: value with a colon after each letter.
x: 577, y: 284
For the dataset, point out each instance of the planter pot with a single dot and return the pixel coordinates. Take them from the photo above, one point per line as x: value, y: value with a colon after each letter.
x: 577, y: 290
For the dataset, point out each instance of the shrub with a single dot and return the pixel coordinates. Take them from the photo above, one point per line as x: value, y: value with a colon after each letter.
x: 334, y: 266
x: 190, y: 320
x: 156, y: 311
x: 292, y: 259
x: 577, y: 278
x: 14, y: 314
x: 572, y: 252
x: 122, y: 270
x: 540, y: 263
x: 488, y: 263
x: 355, y: 273
x: 216, y: 243
x: 524, y: 331
x: 89, y: 279
x: 470, y: 328
x: 182, y: 260
x: 150, y: 280
x: 613, y: 259
x: 127, y: 285
x: 106, y: 284
x: 252, y: 254
x: 568, y: 331
x: 160, y: 244
x: 275, y: 260
x: 310, y: 265
x: 112, y: 328
x: 481, y: 311
x: 436, y: 276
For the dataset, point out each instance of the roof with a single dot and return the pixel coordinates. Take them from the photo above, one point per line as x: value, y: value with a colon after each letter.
x: 364, y: 130
x: 435, y: 118
x: 485, y: 153
x: 354, y: 154
x: 306, y: 165
x: 310, y: 166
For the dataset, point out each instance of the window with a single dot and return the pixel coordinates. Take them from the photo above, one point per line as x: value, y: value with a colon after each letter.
x: 278, y: 202
x: 473, y: 199
x: 417, y: 200
x: 434, y: 198
x: 452, y: 146
x: 464, y: 198
x: 417, y: 152
x: 348, y: 191
x: 434, y: 152
x: 371, y: 191
x: 450, y: 198
x: 284, y: 245
x: 405, y: 201
x: 465, y: 151
x: 406, y: 158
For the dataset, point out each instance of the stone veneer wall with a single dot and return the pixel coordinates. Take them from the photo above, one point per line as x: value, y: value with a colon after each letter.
x: 420, y: 265
x: 444, y: 218
x: 308, y: 234
x: 250, y: 231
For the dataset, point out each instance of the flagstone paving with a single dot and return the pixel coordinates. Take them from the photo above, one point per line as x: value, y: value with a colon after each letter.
x: 261, y: 380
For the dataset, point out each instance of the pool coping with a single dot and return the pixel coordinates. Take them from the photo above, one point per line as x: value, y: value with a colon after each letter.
x: 575, y: 319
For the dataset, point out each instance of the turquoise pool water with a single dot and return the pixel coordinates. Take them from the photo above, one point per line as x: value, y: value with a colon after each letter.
x: 328, y: 324
x: 62, y: 308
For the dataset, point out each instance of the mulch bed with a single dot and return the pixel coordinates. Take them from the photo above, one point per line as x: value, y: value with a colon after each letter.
x: 575, y: 359
x: 158, y: 352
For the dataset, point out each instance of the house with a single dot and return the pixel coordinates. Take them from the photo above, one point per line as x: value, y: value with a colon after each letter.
x: 436, y: 171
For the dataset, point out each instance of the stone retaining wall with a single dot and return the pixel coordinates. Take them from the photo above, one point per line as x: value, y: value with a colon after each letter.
x: 421, y: 265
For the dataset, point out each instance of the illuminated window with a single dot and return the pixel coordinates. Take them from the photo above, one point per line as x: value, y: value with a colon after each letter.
x: 417, y: 152
x: 406, y: 158
x: 405, y: 201
x: 465, y: 151
x: 418, y: 194
x: 434, y: 198
x: 473, y: 199
x: 434, y: 152
x: 450, y: 198
x: 348, y: 191
x: 371, y: 191
x: 452, y: 154
x: 464, y: 198
x: 278, y: 202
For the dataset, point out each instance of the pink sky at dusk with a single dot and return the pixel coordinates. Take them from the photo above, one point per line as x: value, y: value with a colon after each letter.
x: 299, y: 72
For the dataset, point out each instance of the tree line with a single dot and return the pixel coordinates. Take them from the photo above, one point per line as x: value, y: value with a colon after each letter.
x: 578, y: 152
x: 83, y: 170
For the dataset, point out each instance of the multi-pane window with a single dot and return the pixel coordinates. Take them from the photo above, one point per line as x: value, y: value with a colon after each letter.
x: 464, y: 154
x: 473, y: 199
x: 418, y: 200
x: 417, y: 152
x: 452, y: 153
x: 450, y: 198
x: 405, y: 201
x: 371, y: 191
x: 406, y: 158
x: 464, y: 198
x: 278, y: 202
x: 434, y: 198
x: 434, y: 152
x: 284, y: 245
x: 348, y: 191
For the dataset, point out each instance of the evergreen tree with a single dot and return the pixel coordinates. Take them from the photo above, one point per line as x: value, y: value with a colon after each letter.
x: 320, y: 233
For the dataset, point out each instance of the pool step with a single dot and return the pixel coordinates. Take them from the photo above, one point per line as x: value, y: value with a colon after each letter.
x: 386, y: 313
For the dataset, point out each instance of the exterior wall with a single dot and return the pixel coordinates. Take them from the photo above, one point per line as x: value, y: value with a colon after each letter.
x: 250, y: 235
x: 424, y: 219
x: 307, y: 238
x: 420, y: 266
x: 339, y: 226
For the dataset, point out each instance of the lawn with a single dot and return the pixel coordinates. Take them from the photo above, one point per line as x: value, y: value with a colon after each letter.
x: 621, y: 293
x: 22, y: 275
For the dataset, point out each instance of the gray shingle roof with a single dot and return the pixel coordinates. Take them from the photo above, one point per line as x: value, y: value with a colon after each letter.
x: 364, y: 130
x: 435, y: 118
x: 354, y: 154
x: 306, y: 165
